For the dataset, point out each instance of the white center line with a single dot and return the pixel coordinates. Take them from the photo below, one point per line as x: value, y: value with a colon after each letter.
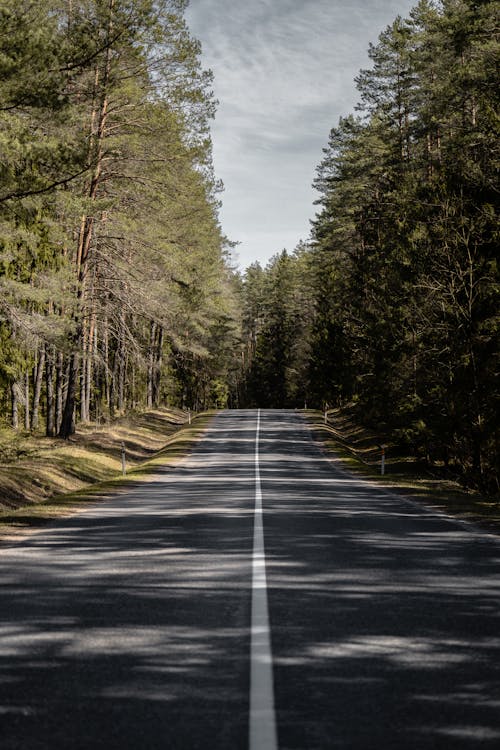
x: 262, y: 731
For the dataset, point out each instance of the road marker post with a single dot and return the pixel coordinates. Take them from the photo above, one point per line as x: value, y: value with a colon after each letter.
x: 325, y: 409
x: 382, y: 460
x: 124, y: 460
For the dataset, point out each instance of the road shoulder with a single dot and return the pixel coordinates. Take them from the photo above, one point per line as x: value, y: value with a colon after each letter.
x: 404, y: 480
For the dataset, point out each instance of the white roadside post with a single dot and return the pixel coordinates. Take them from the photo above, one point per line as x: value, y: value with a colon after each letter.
x: 382, y: 460
x: 189, y: 416
x: 124, y: 464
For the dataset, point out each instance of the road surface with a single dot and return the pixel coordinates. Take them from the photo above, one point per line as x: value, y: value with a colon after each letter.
x: 255, y: 597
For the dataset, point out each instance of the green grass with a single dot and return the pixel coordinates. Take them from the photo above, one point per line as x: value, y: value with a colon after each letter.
x: 357, y: 449
x: 47, y: 479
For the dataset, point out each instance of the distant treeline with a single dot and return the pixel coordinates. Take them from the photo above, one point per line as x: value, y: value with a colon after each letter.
x: 114, y: 285
x: 394, y: 302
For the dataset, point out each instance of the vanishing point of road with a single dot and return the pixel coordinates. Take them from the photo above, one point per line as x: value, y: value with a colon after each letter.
x: 254, y: 596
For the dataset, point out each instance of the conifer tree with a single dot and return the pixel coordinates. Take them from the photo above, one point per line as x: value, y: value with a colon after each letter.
x: 112, y: 254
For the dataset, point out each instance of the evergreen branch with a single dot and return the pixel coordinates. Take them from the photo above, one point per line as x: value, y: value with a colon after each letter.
x: 47, y: 189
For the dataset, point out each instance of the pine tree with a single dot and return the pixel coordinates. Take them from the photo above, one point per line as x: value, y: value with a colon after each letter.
x: 403, y: 245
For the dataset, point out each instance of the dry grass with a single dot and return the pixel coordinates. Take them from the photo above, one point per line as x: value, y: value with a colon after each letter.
x: 43, y: 478
x: 358, y: 449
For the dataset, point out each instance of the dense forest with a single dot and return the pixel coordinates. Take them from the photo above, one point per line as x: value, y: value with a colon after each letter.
x: 393, y: 304
x: 116, y: 285
x: 114, y: 281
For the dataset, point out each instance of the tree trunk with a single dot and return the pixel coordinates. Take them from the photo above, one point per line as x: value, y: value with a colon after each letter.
x: 132, y: 391
x: 151, y: 362
x: 121, y: 365
x: 50, y: 429
x: 99, y: 116
x: 121, y: 378
x: 27, y: 402
x: 157, y: 367
x: 91, y: 356
x: 59, y: 391
x: 14, y: 406
x: 37, y: 390
x: 112, y: 395
x: 67, y: 427
x: 113, y: 382
x: 83, y: 378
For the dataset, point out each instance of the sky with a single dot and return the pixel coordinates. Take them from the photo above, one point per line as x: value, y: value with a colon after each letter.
x: 283, y: 75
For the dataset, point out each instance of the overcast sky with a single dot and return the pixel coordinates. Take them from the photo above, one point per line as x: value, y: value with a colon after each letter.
x: 284, y: 74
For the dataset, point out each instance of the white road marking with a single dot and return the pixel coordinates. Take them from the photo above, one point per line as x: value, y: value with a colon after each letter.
x: 262, y: 729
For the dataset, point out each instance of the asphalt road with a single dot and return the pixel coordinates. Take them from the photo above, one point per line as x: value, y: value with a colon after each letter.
x: 154, y: 620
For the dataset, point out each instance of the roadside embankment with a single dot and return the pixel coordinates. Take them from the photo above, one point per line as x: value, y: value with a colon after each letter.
x: 43, y: 478
x: 359, y: 450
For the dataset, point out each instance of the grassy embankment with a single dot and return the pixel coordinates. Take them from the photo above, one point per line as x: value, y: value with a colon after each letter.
x: 43, y: 478
x: 358, y: 450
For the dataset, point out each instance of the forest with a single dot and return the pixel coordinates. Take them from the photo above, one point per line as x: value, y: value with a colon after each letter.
x: 114, y: 281
x: 117, y: 289
x: 393, y: 303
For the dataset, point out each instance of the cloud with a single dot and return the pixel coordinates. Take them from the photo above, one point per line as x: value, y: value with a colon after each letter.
x: 284, y: 74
